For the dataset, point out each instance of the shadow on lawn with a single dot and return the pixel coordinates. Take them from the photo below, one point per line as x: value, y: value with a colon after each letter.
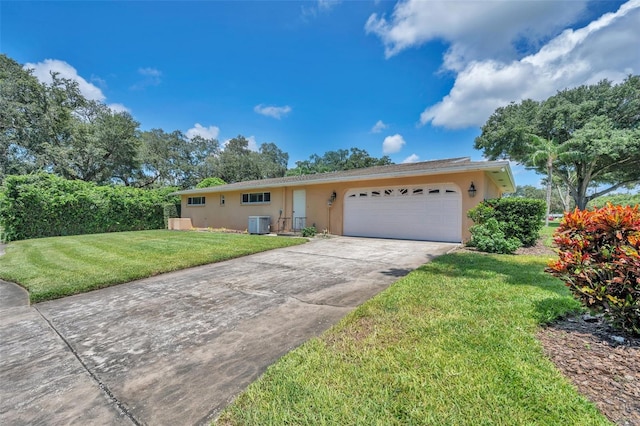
x: 514, y: 270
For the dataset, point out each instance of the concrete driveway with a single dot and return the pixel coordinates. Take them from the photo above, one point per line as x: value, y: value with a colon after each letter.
x: 176, y: 348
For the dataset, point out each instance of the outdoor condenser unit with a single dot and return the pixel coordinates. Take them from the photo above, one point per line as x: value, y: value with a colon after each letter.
x: 259, y: 224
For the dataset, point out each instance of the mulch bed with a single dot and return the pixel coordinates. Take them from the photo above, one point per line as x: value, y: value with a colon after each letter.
x: 602, y: 362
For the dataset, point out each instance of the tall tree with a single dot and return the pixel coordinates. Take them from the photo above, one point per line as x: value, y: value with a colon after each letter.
x: 203, y: 160
x: 102, y: 145
x: 333, y: 161
x: 34, y: 118
x: 237, y: 162
x: 273, y: 161
x: 596, y: 130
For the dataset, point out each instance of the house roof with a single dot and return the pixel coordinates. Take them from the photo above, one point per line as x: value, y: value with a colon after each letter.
x: 498, y: 171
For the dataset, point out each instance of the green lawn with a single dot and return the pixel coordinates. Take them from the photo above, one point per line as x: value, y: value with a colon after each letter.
x: 546, y: 233
x: 452, y: 343
x: 61, y: 266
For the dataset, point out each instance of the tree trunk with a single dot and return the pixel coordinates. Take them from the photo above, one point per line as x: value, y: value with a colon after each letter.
x: 549, y: 189
x: 580, y: 192
x: 564, y: 198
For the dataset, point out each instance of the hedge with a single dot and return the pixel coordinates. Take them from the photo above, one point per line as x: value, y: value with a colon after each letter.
x: 45, y: 205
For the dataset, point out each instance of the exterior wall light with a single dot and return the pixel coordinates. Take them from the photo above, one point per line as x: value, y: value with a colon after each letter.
x: 332, y: 198
x: 472, y: 190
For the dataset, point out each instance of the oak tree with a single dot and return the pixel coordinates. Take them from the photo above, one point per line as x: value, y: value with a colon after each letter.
x: 594, y: 131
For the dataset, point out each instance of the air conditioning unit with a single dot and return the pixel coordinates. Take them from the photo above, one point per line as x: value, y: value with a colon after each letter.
x: 259, y: 224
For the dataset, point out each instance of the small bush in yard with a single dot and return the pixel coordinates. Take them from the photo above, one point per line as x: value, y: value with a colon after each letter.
x: 490, y: 238
x: 309, y: 231
x: 599, y: 261
x: 517, y: 223
x: 522, y: 218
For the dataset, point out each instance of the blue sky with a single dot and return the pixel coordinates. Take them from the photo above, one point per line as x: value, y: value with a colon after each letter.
x: 413, y: 79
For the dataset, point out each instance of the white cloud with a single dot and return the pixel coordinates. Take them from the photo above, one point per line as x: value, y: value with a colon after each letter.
x: 392, y: 144
x: 311, y: 11
x: 272, y: 111
x: 253, y: 144
x: 41, y: 71
x: 328, y: 4
x: 150, y: 72
x: 413, y: 158
x: 118, y: 108
x: 100, y: 82
x: 198, y: 129
x: 378, y: 127
x: 475, y: 29
x: 582, y: 56
x: 151, y: 77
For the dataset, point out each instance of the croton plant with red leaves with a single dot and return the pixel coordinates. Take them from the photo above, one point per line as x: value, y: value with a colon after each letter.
x: 599, y: 261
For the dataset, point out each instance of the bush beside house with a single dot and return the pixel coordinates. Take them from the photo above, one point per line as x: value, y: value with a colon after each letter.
x: 503, y: 225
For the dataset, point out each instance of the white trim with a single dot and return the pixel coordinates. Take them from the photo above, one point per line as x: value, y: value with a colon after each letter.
x: 488, y: 166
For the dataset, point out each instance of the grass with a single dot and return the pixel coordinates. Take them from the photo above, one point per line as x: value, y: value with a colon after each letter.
x: 546, y: 233
x: 50, y: 268
x: 452, y: 343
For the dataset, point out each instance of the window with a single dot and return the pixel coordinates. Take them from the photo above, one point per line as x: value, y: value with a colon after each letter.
x: 195, y: 201
x: 221, y: 200
x: 256, y: 198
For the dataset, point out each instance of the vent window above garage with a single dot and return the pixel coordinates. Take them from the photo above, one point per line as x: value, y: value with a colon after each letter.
x: 195, y: 201
x: 256, y: 198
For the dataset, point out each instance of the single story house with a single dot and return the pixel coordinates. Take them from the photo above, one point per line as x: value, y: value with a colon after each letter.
x: 420, y: 201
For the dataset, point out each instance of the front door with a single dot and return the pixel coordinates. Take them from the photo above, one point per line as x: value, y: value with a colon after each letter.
x: 299, y: 209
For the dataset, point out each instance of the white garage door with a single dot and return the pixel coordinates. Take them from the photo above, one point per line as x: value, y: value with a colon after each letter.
x: 427, y: 212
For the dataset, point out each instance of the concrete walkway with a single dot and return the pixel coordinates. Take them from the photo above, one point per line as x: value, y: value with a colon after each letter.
x: 12, y: 295
x: 176, y: 348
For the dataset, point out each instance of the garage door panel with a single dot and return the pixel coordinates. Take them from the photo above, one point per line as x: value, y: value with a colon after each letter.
x: 425, y: 213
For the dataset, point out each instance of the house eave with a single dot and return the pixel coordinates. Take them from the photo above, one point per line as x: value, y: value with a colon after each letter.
x: 498, y: 171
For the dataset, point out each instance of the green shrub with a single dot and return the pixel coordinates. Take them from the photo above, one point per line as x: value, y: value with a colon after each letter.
x: 615, y: 199
x: 522, y: 218
x: 490, y: 238
x: 481, y: 213
x: 519, y: 218
x: 44, y: 205
x: 599, y: 261
x: 309, y: 231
